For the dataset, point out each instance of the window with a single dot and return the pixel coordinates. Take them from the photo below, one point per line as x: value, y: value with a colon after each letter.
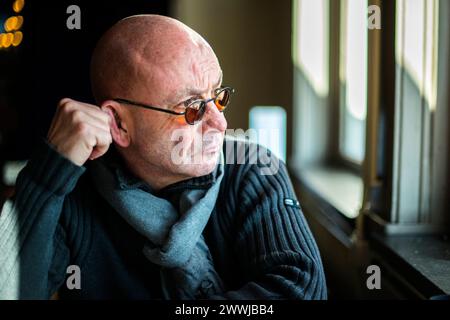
x: 353, y: 78
x: 270, y: 126
x: 377, y: 100
x: 385, y: 112
x: 420, y: 145
x: 316, y: 105
x: 310, y: 55
x: 417, y: 45
x: 311, y: 38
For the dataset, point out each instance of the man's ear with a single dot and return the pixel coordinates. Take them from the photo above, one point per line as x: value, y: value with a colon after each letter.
x: 118, y: 126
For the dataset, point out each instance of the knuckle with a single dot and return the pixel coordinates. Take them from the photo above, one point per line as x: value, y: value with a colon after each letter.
x: 64, y: 101
x: 76, y: 116
x: 109, y: 138
x: 64, y: 107
x: 92, y: 141
x: 82, y: 129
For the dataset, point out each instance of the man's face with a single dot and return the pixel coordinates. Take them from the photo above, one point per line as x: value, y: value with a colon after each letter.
x: 165, y: 142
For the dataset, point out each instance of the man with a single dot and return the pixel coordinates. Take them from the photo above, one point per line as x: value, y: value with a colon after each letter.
x: 158, y: 215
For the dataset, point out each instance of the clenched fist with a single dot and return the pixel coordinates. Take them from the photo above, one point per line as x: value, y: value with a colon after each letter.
x: 80, y: 131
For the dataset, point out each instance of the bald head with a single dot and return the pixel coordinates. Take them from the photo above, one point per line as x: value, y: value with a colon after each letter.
x: 159, y: 61
x: 142, y: 53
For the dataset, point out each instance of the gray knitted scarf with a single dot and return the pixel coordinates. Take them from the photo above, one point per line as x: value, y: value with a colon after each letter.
x: 174, y: 237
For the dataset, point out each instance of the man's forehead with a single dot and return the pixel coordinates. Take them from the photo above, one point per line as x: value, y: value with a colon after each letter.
x: 191, y: 69
x: 189, y: 89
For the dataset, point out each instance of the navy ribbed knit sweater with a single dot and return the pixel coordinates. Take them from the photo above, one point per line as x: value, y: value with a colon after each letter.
x: 260, y: 243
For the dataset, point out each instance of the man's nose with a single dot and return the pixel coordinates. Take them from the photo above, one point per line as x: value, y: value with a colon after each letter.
x: 213, y: 117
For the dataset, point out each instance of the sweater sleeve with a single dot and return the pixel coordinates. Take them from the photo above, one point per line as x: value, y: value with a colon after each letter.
x: 273, y: 244
x: 30, y: 236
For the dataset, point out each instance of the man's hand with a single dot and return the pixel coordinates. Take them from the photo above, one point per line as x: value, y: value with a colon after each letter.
x: 80, y: 131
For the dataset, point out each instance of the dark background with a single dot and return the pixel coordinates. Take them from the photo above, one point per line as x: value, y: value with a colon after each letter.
x: 52, y: 62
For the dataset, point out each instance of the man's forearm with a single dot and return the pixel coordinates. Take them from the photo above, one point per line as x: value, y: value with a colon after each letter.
x: 28, y: 223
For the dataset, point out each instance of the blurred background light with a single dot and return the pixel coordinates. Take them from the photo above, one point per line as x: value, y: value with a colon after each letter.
x: 18, y: 5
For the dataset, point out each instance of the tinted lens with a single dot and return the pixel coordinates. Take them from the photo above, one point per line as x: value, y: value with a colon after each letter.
x: 222, y: 99
x: 194, y: 112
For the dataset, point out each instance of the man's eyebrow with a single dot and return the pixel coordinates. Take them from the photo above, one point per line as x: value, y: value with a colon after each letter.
x: 192, y: 92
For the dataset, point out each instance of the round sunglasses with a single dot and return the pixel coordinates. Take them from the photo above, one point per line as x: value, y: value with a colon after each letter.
x: 194, y: 110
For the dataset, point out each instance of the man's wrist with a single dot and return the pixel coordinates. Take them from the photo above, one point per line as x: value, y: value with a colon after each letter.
x: 47, y: 167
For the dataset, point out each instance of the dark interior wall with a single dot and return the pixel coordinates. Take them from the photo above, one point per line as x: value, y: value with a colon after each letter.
x: 51, y: 63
